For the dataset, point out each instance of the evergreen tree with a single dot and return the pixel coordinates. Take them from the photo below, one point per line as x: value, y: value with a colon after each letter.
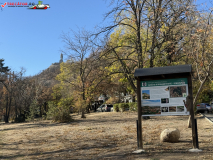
x: 2, y: 68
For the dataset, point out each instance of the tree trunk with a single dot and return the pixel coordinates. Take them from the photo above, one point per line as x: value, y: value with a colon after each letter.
x: 6, y: 119
x: 9, y: 107
x: 40, y: 111
x: 82, y: 107
x: 82, y: 113
x: 95, y: 107
x: 16, y: 110
x: 6, y: 114
x: 195, y: 99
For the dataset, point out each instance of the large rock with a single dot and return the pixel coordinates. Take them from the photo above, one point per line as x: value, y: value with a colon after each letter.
x: 170, y: 135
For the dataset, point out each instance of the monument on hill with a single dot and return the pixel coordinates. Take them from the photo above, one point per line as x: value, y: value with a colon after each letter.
x: 61, y: 58
x: 55, y: 66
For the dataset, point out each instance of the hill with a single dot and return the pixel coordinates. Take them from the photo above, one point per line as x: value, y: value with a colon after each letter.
x: 47, y: 76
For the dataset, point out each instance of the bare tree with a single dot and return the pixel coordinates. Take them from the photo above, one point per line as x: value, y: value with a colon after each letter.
x: 80, y: 65
x: 9, y: 85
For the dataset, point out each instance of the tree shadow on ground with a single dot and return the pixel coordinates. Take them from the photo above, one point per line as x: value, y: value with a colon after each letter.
x: 20, y: 154
x: 34, y: 125
x: 77, y: 121
x: 100, y: 120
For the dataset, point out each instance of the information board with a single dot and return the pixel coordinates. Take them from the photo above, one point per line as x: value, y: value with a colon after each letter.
x: 164, y: 97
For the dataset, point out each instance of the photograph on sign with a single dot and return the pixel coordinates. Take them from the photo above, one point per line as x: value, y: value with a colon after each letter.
x: 164, y: 100
x: 164, y: 97
x: 177, y: 91
x: 146, y: 94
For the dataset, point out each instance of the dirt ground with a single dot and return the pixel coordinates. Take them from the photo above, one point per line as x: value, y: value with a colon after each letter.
x: 103, y: 136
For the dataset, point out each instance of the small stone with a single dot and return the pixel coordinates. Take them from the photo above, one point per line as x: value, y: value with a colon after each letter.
x: 138, y: 151
x: 195, y: 150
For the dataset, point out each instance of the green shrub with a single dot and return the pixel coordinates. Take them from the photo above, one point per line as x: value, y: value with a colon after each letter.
x: 116, y: 107
x: 33, y: 111
x: 133, y: 106
x: 123, y: 106
x: 58, y: 113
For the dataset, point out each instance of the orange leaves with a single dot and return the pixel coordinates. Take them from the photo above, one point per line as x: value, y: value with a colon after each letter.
x: 200, y: 30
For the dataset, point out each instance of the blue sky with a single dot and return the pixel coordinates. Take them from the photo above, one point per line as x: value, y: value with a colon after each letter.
x: 31, y: 38
x: 146, y: 91
x: 151, y: 102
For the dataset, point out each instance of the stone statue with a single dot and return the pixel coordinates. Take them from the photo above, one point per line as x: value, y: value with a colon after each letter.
x: 61, y: 58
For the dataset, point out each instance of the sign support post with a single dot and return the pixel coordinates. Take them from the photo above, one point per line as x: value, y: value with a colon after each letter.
x: 139, y: 116
x: 192, y: 112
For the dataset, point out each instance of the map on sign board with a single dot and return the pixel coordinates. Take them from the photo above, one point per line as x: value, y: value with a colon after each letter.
x: 164, y: 97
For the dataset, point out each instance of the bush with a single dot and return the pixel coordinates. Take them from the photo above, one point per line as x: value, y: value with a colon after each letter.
x: 33, y: 111
x: 133, y: 106
x: 58, y: 114
x: 116, y: 107
x: 112, y: 100
x: 123, y: 106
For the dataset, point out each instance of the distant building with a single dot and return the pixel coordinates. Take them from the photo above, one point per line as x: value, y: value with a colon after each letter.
x: 102, y: 98
x: 128, y: 98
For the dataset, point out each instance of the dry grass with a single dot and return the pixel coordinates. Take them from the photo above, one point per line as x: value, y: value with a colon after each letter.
x: 102, y: 136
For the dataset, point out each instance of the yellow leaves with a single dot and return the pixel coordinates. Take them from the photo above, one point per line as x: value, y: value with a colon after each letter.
x: 211, y: 85
x: 123, y: 80
x: 164, y: 28
x: 113, y: 68
x: 80, y: 103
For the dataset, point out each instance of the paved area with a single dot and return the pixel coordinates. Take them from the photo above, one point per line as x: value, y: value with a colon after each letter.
x: 209, y: 116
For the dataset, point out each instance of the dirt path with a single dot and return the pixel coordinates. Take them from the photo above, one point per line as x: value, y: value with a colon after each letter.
x: 102, y: 136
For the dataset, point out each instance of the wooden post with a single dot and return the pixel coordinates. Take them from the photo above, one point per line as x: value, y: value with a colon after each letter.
x: 192, y: 112
x: 139, y: 115
x: 196, y: 134
x: 137, y: 133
